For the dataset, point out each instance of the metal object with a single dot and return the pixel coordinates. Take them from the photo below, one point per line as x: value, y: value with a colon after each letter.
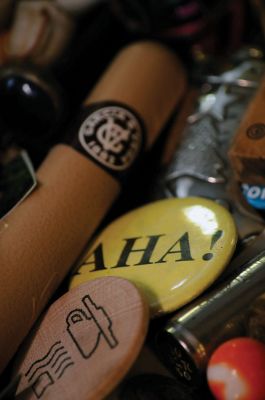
x: 200, y: 165
x: 189, y: 338
x: 255, y: 319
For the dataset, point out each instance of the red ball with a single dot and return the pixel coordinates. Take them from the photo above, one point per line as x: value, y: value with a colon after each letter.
x: 236, y: 370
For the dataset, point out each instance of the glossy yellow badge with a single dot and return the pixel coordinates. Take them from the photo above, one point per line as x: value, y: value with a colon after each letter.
x: 172, y: 249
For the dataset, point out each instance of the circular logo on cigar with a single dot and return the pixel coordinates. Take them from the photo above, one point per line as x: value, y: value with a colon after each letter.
x: 112, y: 135
x: 256, y: 131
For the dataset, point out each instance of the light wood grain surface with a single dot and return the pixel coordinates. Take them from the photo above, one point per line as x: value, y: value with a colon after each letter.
x: 85, y: 343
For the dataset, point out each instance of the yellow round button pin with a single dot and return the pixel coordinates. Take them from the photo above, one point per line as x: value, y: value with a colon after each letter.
x: 171, y: 249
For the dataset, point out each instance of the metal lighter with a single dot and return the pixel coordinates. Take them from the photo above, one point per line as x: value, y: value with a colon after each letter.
x: 200, y: 166
x: 189, y: 338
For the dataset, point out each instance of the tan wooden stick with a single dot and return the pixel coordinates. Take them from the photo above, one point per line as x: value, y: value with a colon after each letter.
x: 41, y: 239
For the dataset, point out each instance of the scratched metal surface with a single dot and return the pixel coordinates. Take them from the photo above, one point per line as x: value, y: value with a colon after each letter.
x: 200, y: 165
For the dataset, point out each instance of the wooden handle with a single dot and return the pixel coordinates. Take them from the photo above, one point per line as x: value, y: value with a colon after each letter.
x: 45, y: 234
x: 84, y: 344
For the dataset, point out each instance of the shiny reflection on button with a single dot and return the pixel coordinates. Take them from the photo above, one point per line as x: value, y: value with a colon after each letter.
x: 203, y: 217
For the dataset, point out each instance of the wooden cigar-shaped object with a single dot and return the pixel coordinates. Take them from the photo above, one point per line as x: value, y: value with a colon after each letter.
x: 247, y: 152
x: 79, y: 180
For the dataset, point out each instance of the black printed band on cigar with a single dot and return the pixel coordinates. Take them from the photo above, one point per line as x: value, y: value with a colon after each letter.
x: 111, y: 134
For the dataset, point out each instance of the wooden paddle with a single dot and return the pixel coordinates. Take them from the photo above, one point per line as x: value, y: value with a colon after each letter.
x: 85, y: 343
